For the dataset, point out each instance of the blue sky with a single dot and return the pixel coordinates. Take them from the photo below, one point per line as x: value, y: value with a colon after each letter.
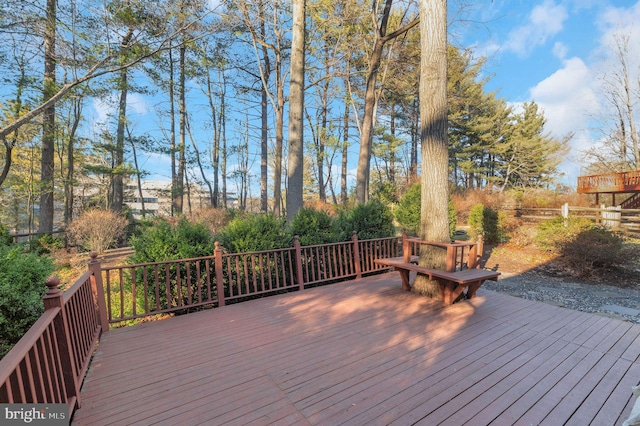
x: 556, y: 53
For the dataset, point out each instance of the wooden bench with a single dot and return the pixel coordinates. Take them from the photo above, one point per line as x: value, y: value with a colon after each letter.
x: 450, y: 284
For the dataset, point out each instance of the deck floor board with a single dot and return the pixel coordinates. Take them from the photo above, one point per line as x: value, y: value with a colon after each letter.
x: 364, y: 352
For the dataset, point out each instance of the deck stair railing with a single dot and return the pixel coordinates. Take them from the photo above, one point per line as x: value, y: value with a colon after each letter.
x: 49, y: 363
x: 632, y: 202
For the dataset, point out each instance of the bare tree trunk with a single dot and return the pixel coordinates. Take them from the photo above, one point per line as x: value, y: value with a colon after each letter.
x: 117, y: 182
x: 138, y: 173
x: 180, y: 177
x: 48, y: 122
x: 172, y: 134
x: 345, y: 144
x: 296, y: 113
x: 434, y: 222
x: 264, y: 114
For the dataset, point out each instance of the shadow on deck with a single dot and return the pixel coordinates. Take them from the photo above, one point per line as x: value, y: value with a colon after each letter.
x: 365, y: 352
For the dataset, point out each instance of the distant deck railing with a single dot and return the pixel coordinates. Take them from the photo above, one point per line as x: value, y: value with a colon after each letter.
x: 49, y: 363
x: 609, y: 183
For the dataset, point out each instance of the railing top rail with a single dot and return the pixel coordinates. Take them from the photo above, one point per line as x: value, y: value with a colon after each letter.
x: 163, y: 262
x: 244, y: 253
x: 9, y: 362
x: 76, y: 286
x: 329, y: 244
x: 453, y: 243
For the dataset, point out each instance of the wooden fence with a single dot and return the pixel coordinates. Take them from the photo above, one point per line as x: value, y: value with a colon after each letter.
x: 613, y: 217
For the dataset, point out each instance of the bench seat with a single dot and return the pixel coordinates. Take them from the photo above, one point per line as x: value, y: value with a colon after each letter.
x: 450, y: 284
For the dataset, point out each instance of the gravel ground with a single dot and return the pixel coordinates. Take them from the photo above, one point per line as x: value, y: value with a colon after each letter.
x: 606, y: 300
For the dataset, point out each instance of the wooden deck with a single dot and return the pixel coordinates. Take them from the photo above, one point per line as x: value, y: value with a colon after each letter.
x: 365, y: 352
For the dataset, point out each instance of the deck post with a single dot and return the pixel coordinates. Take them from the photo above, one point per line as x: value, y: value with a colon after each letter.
x: 98, y: 290
x: 52, y: 300
x: 450, y: 264
x: 298, y: 251
x: 219, y: 277
x: 406, y: 248
x: 356, y: 254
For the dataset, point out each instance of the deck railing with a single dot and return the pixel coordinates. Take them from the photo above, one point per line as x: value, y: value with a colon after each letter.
x: 147, y: 289
x: 49, y: 363
x: 612, y: 182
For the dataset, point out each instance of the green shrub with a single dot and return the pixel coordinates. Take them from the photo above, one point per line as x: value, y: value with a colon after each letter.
x: 592, y: 249
x: 5, y: 237
x: 312, y: 227
x: 408, y: 212
x: 555, y: 233
x: 22, y: 278
x: 484, y: 221
x: 453, y: 219
x: 370, y: 220
x: 581, y: 245
x: 160, y: 240
x: 255, y: 232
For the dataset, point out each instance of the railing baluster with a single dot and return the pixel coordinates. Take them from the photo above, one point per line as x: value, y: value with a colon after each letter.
x: 145, y: 286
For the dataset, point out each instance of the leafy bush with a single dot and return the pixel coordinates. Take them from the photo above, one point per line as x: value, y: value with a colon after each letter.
x: 255, y: 232
x: 553, y: 234
x: 453, y: 219
x: 160, y: 240
x: 313, y: 227
x: 370, y: 220
x: 5, y: 237
x: 485, y: 221
x: 408, y: 212
x: 97, y: 229
x: 22, y: 278
x: 591, y: 249
x: 582, y: 245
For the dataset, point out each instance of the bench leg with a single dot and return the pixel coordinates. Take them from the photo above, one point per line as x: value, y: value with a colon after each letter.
x: 449, y: 291
x: 404, y: 274
x: 473, y: 287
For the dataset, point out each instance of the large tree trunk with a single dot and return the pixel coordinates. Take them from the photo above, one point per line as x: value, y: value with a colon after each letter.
x: 434, y: 223
x: 296, y: 113
x: 48, y: 122
x: 366, y: 137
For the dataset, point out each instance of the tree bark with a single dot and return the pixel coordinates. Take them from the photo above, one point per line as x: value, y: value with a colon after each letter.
x: 434, y: 217
x: 296, y: 113
x: 48, y: 122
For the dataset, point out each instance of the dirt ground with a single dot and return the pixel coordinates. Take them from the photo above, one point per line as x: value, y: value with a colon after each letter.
x: 518, y: 260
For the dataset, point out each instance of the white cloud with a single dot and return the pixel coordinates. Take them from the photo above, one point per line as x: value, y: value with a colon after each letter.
x: 560, y: 50
x: 567, y: 98
x: 545, y: 21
